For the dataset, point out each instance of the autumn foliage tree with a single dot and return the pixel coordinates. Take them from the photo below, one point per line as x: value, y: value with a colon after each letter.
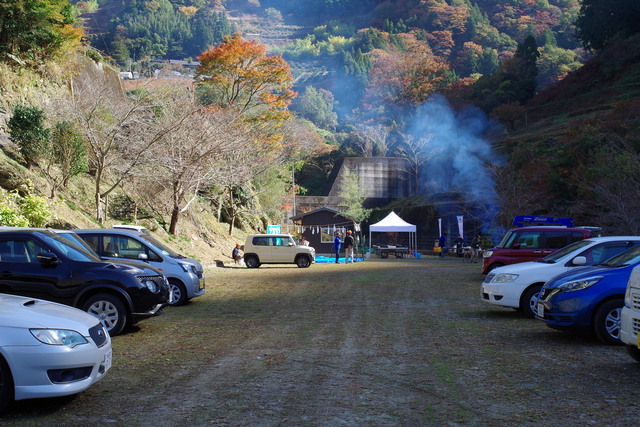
x: 33, y: 31
x: 407, y: 77
x: 238, y: 74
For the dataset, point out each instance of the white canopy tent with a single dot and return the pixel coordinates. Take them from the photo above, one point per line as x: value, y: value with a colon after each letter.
x: 394, y: 224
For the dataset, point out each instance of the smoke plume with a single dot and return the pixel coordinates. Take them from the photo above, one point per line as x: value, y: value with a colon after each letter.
x: 458, y: 156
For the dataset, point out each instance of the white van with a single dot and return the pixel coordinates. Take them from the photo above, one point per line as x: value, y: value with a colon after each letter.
x: 185, y: 275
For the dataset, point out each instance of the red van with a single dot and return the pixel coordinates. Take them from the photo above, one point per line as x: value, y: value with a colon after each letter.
x: 532, y: 243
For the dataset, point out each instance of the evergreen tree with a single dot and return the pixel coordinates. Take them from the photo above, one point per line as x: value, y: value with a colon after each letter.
x: 208, y: 30
x: 120, y: 52
x: 548, y: 39
x: 528, y: 53
x: 27, y: 130
x: 601, y: 21
x: 488, y: 62
x: 317, y: 106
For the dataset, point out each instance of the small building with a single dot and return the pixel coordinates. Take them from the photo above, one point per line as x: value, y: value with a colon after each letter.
x: 320, y: 226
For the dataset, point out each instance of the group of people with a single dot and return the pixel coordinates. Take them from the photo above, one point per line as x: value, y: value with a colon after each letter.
x: 348, y: 245
x: 459, y: 244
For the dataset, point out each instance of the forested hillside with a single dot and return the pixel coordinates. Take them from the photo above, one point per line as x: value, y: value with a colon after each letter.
x: 471, y: 37
x: 488, y: 100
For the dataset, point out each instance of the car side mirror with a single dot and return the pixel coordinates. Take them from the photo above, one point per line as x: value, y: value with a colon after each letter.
x: 579, y: 260
x: 290, y: 244
x: 48, y: 259
x: 143, y: 257
x: 516, y: 246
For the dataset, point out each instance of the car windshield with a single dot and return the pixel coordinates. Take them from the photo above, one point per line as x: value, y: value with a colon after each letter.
x: 630, y: 256
x: 561, y: 253
x: 74, y: 238
x: 161, y: 246
x: 69, y: 249
x: 506, y: 240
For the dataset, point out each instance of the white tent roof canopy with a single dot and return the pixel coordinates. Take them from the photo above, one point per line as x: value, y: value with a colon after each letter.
x: 393, y: 222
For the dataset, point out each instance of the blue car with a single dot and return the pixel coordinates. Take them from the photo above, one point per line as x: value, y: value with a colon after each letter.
x: 589, y: 299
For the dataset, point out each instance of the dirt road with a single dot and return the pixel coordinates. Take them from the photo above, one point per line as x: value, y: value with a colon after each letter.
x: 379, y: 343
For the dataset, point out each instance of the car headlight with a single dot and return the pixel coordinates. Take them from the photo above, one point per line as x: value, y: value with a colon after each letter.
x: 188, y: 268
x: 65, y: 337
x: 487, y: 254
x: 578, y: 285
x: 151, y: 285
x: 504, y: 278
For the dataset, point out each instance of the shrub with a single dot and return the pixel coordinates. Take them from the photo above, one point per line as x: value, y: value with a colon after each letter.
x: 27, y: 211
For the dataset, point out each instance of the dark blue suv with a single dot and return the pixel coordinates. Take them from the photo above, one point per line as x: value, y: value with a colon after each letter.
x: 589, y: 298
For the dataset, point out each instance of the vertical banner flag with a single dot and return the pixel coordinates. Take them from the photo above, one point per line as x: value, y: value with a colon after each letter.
x: 439, y: 227
x: 460, y: 228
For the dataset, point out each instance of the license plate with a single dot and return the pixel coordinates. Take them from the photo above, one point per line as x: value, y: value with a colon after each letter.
x: 201, y: 284
x: 540, y: 310
x: 108, y: 360
x: 638, y: 338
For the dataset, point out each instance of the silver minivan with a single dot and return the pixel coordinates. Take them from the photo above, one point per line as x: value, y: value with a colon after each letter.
x: 185, y: 275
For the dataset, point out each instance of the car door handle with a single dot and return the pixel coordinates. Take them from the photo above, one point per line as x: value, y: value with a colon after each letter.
x: 537, y: 252
x: 6, y: 273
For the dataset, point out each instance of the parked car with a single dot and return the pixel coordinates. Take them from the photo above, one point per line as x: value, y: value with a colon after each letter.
x: 630, y: 315
x: 74, y: 238
x: 185, y: 275
x: 531, y: 243
x: 518, y: 285
x: 48, y: 349
x: 40, y: 264
x: 276, y: 249
x: 590, y: 298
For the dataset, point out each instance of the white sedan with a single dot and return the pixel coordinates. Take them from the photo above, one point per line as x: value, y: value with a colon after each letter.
x: 518, y: 285
x: 48, y: 349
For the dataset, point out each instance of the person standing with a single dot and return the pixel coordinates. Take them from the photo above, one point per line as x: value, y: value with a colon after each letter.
x: 348, y: 247
x: 442, y: 240
x: 475, y: 248
x: 337, y: 244
x: 459, y: 246
x: 304, y: 242
x: 236, y: 254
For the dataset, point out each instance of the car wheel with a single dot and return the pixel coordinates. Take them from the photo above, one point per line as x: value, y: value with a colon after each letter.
x: 178, y: 293
x: 303, y: 261
x: 251, y: 261
x: 6, y: 385
x: 529, y: 301
x: 110, y: 310
x: 634, y: 352
x: 607, y: 321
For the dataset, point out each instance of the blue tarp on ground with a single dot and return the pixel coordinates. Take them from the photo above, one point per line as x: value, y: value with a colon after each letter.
x: 323, y: 259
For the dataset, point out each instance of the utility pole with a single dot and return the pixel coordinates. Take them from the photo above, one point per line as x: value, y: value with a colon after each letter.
x: 293, y: 187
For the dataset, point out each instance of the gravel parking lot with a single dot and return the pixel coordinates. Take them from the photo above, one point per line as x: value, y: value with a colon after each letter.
x: 382, y: 342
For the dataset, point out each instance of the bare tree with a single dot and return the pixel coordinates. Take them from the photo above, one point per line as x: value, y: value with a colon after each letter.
x: 418, y: 151
x: 374, y: 140
x: 190, y: 157
x: 245, y: 172
x: 118, y: 129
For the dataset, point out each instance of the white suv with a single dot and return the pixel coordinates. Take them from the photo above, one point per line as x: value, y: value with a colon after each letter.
x: 518, y: 285
x: 276, y: 249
